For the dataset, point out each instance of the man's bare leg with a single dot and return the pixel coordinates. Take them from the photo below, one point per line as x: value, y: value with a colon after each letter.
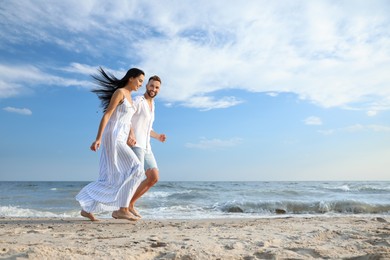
x: 151, y: 179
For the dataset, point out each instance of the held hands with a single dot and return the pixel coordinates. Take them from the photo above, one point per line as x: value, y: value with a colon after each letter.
x: 95, y: 145
x: 131, y: 141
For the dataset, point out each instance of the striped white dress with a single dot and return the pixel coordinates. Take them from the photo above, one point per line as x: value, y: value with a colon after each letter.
x: 120, y: 170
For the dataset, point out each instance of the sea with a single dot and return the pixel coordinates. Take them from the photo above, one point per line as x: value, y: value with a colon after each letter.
x: 208, y: 200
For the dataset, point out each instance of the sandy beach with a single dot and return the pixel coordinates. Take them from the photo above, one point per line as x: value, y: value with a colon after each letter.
x: 263, y: 238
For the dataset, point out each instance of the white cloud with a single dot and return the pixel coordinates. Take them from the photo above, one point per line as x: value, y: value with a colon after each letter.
x: 84, y: 69
x: 24, y: 73
x: 313, y: 120
x: 273, y: 94
x: 379, y: 128
x: 214, y: 143
x: 207, y: 103
x: 22, y: 111
x: 317, y: 52
x: 357, y: 128
x: 8, y: 89
x: 372, y: 113
x: 333, y: 54
x: 18, y: 80
x: 88, y: 70
x: 15, y: 79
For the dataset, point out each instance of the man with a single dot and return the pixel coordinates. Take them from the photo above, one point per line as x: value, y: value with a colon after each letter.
x: 139, y: 138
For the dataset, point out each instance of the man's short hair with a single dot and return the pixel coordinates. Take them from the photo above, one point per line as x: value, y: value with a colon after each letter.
x: 155, y: 78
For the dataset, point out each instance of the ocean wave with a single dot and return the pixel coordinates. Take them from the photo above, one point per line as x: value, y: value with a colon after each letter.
x: 297, y: 207
x: 165, y: 194
x: 207, y: 199
x: 358, y: 188
x: 14, y: 211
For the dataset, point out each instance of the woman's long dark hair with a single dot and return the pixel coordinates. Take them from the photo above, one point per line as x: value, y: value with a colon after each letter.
x: 108, y: 83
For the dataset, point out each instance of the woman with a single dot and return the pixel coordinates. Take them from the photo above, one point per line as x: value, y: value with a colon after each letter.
x: 120, y: 170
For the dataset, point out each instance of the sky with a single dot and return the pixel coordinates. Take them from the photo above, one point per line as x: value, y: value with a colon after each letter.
x: 251, y: 90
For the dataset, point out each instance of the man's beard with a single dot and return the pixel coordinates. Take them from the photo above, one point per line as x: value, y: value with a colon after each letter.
x: 150, y: 94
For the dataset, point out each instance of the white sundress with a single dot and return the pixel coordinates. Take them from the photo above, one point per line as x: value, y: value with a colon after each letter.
x: 120, y: 170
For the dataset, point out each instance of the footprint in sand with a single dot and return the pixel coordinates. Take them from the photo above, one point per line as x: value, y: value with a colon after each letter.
x: 306, y: 252
x: 264, y: 255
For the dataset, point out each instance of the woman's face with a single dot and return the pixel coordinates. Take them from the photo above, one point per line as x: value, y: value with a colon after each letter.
x: 136, y: 83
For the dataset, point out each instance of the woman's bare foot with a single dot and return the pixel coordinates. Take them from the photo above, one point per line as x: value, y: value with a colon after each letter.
x: 88, y: 215
x: 134, y: 212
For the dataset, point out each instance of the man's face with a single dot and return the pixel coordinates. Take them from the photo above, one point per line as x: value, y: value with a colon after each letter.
x: 152, y: 88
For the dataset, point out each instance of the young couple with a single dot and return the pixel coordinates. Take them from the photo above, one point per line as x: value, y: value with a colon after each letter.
x: 124, y: 138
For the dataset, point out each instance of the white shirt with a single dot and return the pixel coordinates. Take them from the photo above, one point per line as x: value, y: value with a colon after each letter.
x: 142, y: 122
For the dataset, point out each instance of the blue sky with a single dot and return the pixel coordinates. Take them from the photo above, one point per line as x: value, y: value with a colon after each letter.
x: 256, y: 90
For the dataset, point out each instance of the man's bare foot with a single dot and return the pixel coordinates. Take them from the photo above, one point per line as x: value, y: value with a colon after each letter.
x: 118, y: 214
x: 134, y: 212
x: 88, y: 215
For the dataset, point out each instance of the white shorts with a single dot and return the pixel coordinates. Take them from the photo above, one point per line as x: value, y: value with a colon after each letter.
x: 146, y: 158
